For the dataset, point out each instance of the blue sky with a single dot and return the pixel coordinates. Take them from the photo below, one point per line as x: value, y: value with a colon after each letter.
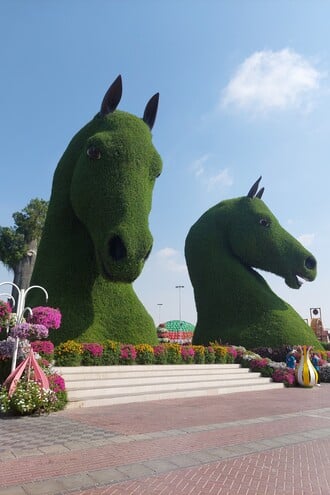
x: 244, y: 91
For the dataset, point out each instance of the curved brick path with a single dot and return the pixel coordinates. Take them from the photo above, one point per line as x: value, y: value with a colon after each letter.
x: 274, y: 442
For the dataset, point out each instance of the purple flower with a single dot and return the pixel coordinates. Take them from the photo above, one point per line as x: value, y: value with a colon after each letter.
x: 29, y: 331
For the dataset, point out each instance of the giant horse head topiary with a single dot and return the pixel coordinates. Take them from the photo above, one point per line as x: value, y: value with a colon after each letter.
x: 96, y: 236
x: 234, y: 303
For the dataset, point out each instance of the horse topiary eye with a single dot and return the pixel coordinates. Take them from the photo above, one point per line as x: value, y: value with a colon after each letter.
x: 264, y: 222
x: 94, y: 153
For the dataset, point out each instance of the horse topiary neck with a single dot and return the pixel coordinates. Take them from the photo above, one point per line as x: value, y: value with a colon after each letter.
x: 234, y: 303
x: 96, y: 236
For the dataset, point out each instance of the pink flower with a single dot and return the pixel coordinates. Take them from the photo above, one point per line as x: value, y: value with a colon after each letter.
x: 43, y: 346
x: 43, y: 315
x: 95, y: 349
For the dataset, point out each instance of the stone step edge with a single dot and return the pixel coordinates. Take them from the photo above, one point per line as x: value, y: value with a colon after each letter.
x: 104, y: 401
x: 92, y: 385
x: 80, y: 379
x: 175, y: 387
x: 143, y: 367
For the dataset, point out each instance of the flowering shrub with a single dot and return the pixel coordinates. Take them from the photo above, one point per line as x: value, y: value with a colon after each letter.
x: 6, y: 354
x: 68, y: 353
x: 5, y: 311
x: 220, y: 353
x: 56, y: 383
x: 231, y: 354
x: 43, y: 315
x: 277, y: 354
x: 209, y: 355
x: 325, y: 373
x: 27, y: 399
x: 284, y: 375
x: 111, y: 352
x: 127, y: 354
x: 92, y: 354
x: 173, y: 353
x: 199, y: 357
x: 29, y: 331
x: 160, y: 354
x: 45, y: 348
x: 187, y: 354
x: 144, y: 354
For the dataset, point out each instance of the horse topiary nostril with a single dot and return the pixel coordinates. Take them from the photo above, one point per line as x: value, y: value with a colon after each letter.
x: 117, y: 249
x: 310, y: 263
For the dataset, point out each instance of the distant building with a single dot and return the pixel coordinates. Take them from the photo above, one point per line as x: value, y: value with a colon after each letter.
x: 321, y: 333
x: 175, y: 331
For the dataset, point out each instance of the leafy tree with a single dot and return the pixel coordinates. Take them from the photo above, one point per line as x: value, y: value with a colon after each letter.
x: 19, y: 244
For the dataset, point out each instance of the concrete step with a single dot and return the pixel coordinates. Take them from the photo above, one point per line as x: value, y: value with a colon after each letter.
x: 90, y: 386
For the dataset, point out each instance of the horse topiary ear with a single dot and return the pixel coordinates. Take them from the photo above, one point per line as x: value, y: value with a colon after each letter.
x: 150, y: 111
x: 254, y: 189
x: 260, y: 193
x: 112, y: 97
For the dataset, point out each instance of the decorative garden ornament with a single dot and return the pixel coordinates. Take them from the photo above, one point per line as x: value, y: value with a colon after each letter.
x: 33, y: 373
x: 21, y: 309
x: 96, y: 237
x: 234, y: 303
x: 306, y: 374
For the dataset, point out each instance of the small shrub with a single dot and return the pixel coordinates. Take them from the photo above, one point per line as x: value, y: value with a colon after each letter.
x: 325, y: 373
x: 209, y: 355
x: 28, y: 398
x: 220, y: 353
x: 284, y: 375
x: 199, y: 357
x: 68, y: 353
x: 127, y: 354
x: 160, y: 354
x: 111, y: 352
x: 173, y: 353
x: 187, y: 354
x: 92, y: 354
x: 144, y: 354
x: 45, y: 348
x: 5, y: 312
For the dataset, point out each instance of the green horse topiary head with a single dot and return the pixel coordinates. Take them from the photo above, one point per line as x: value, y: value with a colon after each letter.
x: 234, y: 303
x: 96, y: 236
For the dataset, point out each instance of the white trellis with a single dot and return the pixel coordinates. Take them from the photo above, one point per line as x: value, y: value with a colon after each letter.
x: 21, y: 309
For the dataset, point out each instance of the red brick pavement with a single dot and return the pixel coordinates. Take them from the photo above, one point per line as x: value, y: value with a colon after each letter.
x: 296, y: 469
x: 162, y: 415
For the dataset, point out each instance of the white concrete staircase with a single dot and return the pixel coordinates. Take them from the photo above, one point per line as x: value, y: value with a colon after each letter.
x: 90, y: 386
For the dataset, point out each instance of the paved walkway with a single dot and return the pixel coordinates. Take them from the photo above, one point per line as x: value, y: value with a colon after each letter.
x: 274, y: 442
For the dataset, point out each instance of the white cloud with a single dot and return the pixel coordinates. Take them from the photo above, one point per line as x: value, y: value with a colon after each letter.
x: 306, y: 239
x: 171, y: 260
x: 221, y: 179
x: 167, y: 252
x: 270, y: 80
x: 202, y: 173
x: 198, y: 165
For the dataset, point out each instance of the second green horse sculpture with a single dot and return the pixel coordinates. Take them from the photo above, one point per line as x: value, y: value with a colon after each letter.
x: 233, y: 301
x: 96, y: 236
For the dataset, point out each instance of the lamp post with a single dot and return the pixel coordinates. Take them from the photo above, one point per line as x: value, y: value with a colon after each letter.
x: 180, y: 287
x: 159, y: 308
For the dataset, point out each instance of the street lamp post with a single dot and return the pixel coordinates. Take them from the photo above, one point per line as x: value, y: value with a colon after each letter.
x: 180, y: 287
x: 159, y: 308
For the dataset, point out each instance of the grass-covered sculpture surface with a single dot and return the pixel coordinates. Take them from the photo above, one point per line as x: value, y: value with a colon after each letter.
x: 96, y: 236
x: 233, y: 301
